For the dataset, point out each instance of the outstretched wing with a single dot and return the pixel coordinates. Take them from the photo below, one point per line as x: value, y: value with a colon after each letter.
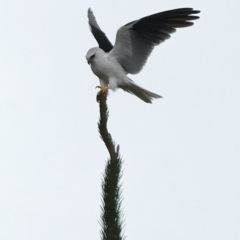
x: 99, y: 35
x: 136, y: 40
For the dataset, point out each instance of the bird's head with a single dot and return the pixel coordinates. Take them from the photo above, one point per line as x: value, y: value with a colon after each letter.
x: 93, y: 54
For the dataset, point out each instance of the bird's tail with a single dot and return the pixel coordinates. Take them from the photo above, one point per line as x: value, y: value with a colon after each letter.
x: 140, y: 92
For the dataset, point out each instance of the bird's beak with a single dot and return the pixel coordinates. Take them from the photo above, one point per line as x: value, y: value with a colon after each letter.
x: 88, y: 61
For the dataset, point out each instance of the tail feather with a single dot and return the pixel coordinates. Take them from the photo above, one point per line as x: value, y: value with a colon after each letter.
x: 140, y: 92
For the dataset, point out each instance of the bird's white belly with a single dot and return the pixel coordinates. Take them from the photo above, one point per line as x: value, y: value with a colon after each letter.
x: 106, y: 70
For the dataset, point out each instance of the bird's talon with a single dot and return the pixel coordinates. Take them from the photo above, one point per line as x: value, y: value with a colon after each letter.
x: 103, y: 90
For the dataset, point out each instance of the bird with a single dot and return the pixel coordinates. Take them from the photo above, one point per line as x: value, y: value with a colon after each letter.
x: 133, y: 45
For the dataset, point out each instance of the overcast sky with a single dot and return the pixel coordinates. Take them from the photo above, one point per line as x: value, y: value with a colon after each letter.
x: 181, y: 154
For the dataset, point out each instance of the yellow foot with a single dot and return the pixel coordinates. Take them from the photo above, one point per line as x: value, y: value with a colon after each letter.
x: 102, y: 92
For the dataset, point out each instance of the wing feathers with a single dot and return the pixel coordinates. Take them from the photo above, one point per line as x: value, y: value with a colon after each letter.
x: 99, y: 35
x: 136, y: 40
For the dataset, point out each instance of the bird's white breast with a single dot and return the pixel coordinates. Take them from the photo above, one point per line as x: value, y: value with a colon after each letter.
x: 106, y: 68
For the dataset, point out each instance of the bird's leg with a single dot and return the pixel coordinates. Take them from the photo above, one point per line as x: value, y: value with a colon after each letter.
x: 102, y: 92
x: 103, y: 89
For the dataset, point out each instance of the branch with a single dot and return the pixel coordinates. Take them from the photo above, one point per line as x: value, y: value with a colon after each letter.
x: 111, y: 216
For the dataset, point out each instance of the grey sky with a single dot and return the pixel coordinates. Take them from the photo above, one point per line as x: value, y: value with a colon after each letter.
x: 181, y: 154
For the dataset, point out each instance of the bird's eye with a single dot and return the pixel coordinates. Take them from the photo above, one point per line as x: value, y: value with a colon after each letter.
x: 92, y: 56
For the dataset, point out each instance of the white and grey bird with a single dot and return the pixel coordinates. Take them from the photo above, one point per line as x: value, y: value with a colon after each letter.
x: 134, y: 43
